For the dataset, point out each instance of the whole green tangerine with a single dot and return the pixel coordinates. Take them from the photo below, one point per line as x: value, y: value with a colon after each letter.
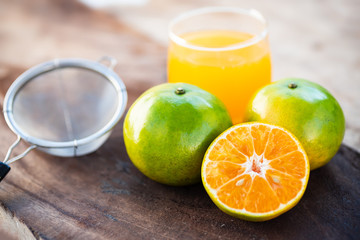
x: 307, y: 110
x: 168, y: 130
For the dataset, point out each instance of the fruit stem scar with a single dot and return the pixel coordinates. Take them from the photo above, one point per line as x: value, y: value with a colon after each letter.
x: 180, y: 91
x: 292, y: 85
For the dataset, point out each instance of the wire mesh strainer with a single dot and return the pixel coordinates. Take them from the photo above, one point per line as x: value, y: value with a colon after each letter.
x: 64, y: 107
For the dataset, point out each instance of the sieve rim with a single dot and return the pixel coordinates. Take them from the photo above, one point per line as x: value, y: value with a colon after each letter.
x: 39, y: 69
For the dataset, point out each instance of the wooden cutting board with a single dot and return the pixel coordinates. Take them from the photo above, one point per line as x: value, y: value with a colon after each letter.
x: 102, y: 195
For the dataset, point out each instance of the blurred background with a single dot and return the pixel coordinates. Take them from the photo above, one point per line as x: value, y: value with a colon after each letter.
x: 314, y: 39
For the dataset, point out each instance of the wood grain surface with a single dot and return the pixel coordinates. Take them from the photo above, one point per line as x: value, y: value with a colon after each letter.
x: 102, y: 195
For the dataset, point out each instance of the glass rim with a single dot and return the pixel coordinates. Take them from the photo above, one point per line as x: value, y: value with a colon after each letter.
x: 192, y: 13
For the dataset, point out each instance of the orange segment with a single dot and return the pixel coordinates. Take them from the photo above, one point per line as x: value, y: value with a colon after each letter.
x: 221, y: 172
x: 261, y: 198
x: 255, y: 171
x: 260, y: 135
x: 280, y: 143
x: 242, y: 140
x: 225, y: 151
x: 233, y: 195
x: 291, y: 164
x: 286, y: 187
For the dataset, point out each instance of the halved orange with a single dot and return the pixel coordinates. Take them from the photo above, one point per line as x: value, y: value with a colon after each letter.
x: 255, y: 171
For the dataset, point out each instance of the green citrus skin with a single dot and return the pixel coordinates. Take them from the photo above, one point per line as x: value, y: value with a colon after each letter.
x: 307, y: 110
x: 168, y: 130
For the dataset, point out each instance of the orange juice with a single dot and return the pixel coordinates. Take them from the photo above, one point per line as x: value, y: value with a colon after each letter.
x: 230, y: 64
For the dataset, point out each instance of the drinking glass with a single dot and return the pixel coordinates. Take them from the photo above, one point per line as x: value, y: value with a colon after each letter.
x: 223, y: 50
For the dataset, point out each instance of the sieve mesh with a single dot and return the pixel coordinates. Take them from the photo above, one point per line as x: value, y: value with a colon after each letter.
x: 65, y: 104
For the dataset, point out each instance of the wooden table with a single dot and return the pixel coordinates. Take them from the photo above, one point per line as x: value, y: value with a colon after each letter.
x: 102, y: 195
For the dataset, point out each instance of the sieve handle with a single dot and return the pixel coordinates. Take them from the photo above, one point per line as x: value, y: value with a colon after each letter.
x: 4, y: 169
x: 4, y: 166
x: 112, y: 61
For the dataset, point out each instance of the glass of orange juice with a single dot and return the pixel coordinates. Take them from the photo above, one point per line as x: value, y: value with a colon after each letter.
x: 223, y: 50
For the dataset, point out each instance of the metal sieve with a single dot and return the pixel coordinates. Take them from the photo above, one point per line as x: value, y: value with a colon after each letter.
x: 64, y: 107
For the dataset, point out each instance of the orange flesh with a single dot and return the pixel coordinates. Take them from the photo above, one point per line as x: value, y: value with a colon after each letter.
x: 256, y: 168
